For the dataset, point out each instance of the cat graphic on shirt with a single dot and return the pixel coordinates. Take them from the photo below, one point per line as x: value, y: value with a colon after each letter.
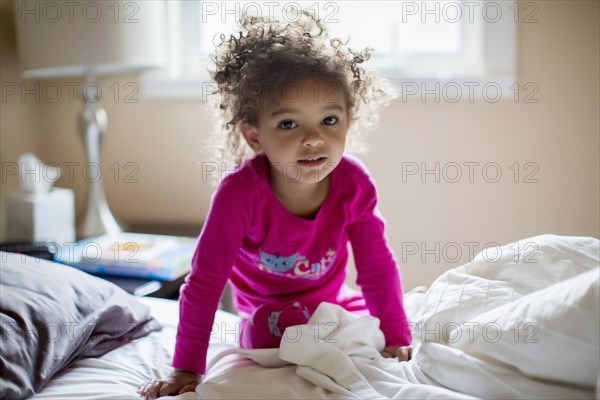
x: 276, y: 262
x: 295, y: 266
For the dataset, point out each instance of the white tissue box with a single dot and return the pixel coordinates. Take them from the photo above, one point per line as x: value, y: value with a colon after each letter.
x: 38, y: 217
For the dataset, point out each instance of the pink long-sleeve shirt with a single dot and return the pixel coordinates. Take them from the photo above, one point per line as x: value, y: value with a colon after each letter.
x: 272, y: 255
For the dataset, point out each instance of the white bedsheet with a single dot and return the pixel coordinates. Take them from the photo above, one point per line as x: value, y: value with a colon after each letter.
x: 502, y: 326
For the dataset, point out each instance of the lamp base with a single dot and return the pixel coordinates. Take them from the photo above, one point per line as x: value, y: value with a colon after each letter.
x: 98, y: 219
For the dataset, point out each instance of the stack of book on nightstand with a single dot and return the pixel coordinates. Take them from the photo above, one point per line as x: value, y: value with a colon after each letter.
x: 134, y: 255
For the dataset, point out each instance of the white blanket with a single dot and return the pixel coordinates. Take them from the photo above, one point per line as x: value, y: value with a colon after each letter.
x: 521, y: 321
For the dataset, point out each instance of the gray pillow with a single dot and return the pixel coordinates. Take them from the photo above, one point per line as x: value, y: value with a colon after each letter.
x: 52, y: 314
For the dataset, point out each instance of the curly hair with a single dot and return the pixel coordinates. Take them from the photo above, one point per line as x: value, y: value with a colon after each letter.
x: 265, y: 57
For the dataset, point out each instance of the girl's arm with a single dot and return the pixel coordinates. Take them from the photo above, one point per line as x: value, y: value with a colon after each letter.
x: 377, y: 270
x: 218, y: 245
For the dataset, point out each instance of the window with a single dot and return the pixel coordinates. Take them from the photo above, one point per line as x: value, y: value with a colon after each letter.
x: 413, y: 40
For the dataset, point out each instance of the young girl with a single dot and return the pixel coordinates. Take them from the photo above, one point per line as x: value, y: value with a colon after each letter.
x: 279, y: 225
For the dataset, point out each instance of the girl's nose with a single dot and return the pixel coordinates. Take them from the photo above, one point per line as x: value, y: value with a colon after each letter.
x: 312, y: 139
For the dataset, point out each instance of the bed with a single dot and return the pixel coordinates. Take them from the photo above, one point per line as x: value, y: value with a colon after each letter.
x: 521, y: 321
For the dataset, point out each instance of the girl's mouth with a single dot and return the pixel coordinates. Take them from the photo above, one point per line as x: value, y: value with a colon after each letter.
x: 313, y: 162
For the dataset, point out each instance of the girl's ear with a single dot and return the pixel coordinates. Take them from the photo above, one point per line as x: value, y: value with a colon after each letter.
x: 250, y: 133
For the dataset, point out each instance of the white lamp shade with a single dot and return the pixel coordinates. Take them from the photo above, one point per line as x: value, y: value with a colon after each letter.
x: 106, y: 36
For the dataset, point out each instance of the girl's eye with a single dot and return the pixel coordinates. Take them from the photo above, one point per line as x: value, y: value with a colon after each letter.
x: 330, y: 120
x: 287, y: 125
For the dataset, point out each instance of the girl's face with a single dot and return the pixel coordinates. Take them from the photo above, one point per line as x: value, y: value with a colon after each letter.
x: 310, y: 121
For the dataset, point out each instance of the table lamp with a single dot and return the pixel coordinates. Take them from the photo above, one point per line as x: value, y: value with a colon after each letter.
x: 90, y: 38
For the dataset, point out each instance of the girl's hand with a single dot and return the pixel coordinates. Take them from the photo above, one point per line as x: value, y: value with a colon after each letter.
x: 403, y: 353
x: 179, y: 382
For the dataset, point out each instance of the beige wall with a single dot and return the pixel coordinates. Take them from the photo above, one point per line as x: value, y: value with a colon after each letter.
x: 560, y: 135
x: 19, y: 130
